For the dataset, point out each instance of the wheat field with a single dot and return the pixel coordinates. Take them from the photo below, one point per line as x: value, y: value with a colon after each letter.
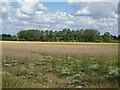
x: 40, y: 64
x: 27, y: 49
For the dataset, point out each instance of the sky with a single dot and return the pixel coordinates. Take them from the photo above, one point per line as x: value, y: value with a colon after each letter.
x: 34, y: 14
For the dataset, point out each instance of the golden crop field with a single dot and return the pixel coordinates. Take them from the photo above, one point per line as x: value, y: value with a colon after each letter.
x: 28, y: 49
x: 59, y: 64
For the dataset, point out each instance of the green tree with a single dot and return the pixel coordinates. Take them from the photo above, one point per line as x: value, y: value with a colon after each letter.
x: 118, y: 37
x: 8, y: 37
x: 50, y: 36
x: 107, y: 37
x: 91, y: 35
x: 29, y: 35
x: 66, y: 35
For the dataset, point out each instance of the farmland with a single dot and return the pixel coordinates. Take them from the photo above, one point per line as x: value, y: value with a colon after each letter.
x: 59, y: 65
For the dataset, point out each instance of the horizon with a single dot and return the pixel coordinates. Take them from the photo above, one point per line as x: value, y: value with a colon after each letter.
x: 57, y: 30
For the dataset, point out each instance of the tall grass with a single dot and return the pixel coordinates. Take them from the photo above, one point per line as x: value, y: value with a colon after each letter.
x: 50, y: 65
x: 83, y: 72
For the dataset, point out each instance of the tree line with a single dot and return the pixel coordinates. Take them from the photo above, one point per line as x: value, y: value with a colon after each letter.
x: 65, y: 35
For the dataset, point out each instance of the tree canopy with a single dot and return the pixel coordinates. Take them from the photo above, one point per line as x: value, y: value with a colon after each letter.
x: 65, y: 35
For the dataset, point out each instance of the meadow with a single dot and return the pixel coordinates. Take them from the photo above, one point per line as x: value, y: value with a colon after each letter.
x: 59, y: 65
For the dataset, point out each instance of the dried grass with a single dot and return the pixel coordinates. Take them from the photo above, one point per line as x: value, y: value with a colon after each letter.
x: 34, y: 50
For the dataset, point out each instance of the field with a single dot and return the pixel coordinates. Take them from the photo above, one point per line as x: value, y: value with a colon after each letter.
x: 59, y: 65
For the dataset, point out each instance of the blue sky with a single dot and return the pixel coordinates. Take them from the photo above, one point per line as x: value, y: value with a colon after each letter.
x: 53, y: 6
x: 23, y: 15
x: 63, y: 6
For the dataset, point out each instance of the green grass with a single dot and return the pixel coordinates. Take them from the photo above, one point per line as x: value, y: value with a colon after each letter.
x: 81, y: 72
x: 115, y: 41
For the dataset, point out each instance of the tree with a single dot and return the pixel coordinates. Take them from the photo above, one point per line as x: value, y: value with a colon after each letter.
x: 114, y: 37
x: 51, y: 35
x: 91, y: 35
x: 54, y: 35
x: 107, y: 37
x: 46, y: 35
x: 8, y: 37
x: 66, y: 35
x: 29, y: 35
x: 80, y: 35
x: 118, y: 37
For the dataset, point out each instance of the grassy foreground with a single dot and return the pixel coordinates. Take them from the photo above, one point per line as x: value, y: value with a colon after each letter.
x: 32, y: 66
x: 60, y: 72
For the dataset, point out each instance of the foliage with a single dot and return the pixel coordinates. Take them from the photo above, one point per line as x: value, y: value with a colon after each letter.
x: 107, y: 37
x: 9, y: 37
x: 91, y: 35
x: 65, y: 35
x: 29, y: 35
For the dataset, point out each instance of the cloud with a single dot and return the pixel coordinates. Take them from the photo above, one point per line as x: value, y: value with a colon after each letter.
x: 31, y: 6
x: 59, y: 20
x: 6, y: 9
x: 51, y: 21
x: 69, y: 22
x: 21, y: 15
x: 93, y: 0
x: 95, y: 9
x: 34, y: 15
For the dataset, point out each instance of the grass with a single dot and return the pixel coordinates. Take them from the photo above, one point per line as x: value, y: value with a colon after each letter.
x: 55, y: 65
x: 84, y: 72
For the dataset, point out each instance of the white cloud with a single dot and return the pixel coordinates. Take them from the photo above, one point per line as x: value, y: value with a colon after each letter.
x: 21, y: 15
x: 5, y: 9
x: 41, y: 7
x: 51, y: 21
x: 93, y: 0
x: 84, y: 11
x: 95, y: 9
x: 31, y: 15
x: 31, y: 6
x: 69, y: 22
